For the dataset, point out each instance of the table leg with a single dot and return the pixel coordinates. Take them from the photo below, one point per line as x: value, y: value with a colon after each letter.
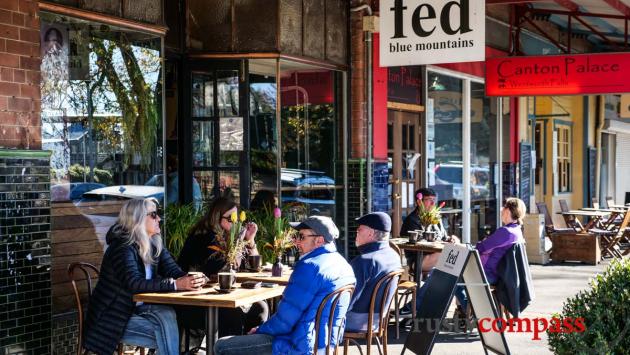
x: 418, y: 276
x: 212, y: 330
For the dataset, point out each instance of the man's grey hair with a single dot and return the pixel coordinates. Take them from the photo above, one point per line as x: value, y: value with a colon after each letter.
x: 380, y: 235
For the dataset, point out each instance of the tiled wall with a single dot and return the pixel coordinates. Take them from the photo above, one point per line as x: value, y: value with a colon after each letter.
x: 25, y: 316
x: 356, y: 199
x: 64, y: 334
x: 381, y: 201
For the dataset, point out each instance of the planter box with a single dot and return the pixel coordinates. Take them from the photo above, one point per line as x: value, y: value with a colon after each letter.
x: 576, y: 247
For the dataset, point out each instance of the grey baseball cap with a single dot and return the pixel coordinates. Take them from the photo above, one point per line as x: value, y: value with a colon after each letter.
x: 322, y: 225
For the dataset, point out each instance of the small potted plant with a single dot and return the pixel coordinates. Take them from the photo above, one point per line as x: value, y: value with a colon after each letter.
x: 282, y: 240
x: 232, y: 248
x: 429, y: 219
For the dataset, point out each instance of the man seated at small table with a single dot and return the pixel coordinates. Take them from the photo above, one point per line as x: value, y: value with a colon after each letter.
x: 320, y: 271
x: 426, y: 198
x: 377, y: 259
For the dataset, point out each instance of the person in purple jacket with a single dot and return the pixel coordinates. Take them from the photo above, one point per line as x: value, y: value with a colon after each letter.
x: 491, y: 249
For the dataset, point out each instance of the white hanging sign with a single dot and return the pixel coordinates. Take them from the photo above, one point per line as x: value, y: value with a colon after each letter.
x: 418, y: 32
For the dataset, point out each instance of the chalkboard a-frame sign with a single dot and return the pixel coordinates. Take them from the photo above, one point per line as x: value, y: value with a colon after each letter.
x: 455, y: 261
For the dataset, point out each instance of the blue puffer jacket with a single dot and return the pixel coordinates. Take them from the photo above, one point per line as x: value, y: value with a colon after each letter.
x: 315, y: 276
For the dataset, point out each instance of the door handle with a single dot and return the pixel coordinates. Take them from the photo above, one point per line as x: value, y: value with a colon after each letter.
x: 396, y: 197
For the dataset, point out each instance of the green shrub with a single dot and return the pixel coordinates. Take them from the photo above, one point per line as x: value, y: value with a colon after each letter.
x: 78, y: 173
x: 178, y: 220
x: 605, y: 308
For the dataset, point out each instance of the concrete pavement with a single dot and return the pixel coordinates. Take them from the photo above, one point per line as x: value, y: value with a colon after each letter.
x: 553, y: 284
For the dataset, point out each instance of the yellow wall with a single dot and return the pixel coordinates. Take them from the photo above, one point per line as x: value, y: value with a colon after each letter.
x: 564, y: 109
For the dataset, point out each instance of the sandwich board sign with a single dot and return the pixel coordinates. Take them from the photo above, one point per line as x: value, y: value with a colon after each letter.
x: 456, y: 262
x: 418, y: 32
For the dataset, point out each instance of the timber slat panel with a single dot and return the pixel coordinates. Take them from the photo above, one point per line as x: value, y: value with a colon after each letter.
x: 77, y: 234
x: 62, y: 262
x: 76, y: 248
x: 70, y: 209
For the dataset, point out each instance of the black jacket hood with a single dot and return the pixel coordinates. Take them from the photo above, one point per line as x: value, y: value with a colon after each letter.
x: 116, y: 234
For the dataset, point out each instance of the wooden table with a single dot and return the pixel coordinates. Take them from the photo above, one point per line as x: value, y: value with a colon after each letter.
x: 613, y: 212
x: 419, y: 248
x: 595, y: 217
x: 210, y: 298
x: 264, y: 276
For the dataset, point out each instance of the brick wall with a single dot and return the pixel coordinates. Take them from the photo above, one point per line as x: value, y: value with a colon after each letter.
x: 20, y: 125
x: 25, y: 316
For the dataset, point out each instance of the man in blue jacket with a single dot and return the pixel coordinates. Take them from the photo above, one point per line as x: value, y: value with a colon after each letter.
x: 320, y: 270
x: 377, y: 259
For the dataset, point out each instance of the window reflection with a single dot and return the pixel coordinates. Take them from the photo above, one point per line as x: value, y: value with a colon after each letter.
x: 100, y: 114
x: 309, y: 140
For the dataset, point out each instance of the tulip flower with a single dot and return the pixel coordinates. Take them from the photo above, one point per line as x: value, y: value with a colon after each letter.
x: 442, y: 204
x: 242, y: 216
x: 419, y: 196
x: 277, y: 213
x: 233, y: 217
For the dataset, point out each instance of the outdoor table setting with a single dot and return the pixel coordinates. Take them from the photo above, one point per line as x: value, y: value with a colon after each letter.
x: 212, y: 296
x: 419, y: 247
x: 614, y: 213
x: 264, y: 276
x: 595, y: 218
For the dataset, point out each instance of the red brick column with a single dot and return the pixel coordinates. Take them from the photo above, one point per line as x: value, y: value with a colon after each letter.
x: 20, y: 124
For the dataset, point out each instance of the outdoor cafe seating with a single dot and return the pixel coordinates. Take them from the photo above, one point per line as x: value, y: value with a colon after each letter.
x: 88, y: 273
x: 378, y: 331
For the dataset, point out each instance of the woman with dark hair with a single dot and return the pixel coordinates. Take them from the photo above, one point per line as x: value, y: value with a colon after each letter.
x: 264, y: 200
x: 135, y: 262
x: 197, y: 255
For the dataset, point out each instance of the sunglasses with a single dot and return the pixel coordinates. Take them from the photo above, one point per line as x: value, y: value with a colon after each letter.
x: 227, y: 218
x: 300, y: 237
x: 153, y: 214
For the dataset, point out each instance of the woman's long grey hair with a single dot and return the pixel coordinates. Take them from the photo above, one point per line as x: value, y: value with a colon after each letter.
x: 132, y: 218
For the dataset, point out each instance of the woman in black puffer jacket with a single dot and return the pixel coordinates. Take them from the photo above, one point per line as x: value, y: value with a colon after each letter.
x: 135, y: 262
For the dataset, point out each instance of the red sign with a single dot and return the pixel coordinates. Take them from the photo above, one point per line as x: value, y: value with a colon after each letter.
x: 558, y: 75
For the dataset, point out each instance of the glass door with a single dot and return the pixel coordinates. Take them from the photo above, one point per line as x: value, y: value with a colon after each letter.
x: 215, y: 132
x: 404, y: 157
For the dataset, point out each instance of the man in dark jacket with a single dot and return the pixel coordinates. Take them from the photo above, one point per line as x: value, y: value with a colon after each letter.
x: 427, y: 198
x: 320, y: 271
x: 377, y: 259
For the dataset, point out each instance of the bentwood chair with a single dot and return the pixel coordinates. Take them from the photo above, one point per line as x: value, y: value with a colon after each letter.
x: 332, y: 299
x: 407, y: 289
x: 549, y: 226
x: 88, y: 273
x: 571, y: 221
x: 376, y: 328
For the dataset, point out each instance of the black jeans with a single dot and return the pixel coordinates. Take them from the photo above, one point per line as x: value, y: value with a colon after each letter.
x: 232, y: 321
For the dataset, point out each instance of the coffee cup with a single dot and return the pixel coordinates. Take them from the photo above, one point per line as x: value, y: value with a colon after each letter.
x: 198, y: 275
x: 413, y: 236
x: 226, y: 280
x: 254, y: 262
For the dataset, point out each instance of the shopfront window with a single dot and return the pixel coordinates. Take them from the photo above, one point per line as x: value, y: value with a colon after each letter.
x: 444, y: 138
x: 262, y: 125
x: 101, y: 111
x: 311, y: 149
x: 483, y: 154
x: 564, y: 158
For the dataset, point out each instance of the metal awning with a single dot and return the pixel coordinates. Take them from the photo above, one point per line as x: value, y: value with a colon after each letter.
x: 604, y: 23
